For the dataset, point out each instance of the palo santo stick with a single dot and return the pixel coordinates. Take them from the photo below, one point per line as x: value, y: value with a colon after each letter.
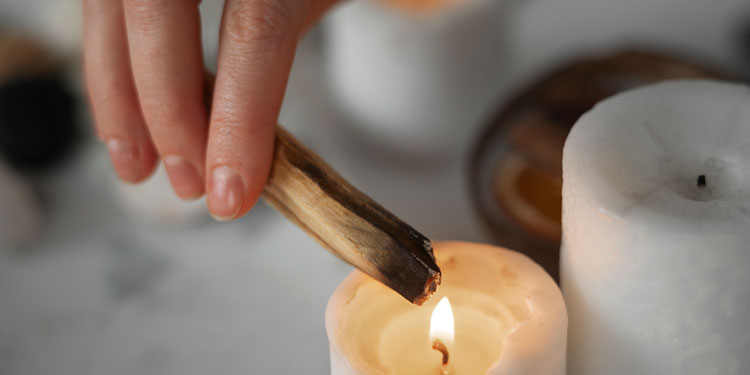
x: 345, y: 221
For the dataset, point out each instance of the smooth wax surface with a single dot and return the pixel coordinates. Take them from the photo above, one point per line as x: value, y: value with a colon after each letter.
x: 509, y: 319
x: 655, y: 262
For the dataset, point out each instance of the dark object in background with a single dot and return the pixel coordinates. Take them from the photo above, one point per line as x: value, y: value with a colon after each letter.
x: 37, y: 109
x: 516, y: 166
x: 37, y: 122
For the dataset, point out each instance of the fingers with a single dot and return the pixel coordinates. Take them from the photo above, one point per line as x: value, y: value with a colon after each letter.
x: 164, y: 41
x: 258, y: 39
x: 112, y: 93
x: 149, y: 80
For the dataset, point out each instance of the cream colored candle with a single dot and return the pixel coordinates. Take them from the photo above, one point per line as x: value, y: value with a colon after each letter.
x: 508, y: 318
x: 655, y: 263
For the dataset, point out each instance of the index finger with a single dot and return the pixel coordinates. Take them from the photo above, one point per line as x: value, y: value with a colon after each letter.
x: 258, y: 40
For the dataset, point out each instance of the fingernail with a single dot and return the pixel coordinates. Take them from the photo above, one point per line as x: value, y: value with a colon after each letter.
x: 125, y: 158
x: 226, y: 193
x: 185, y: 179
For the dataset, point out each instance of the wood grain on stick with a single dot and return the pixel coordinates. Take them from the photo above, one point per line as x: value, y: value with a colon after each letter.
x: 345, y: 221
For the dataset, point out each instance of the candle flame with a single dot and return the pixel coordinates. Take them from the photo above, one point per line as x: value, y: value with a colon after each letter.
x: 441, y: 322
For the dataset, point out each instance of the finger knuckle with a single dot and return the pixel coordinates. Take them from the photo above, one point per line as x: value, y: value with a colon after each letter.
x: 229, y: 127
x: 146, y: 8
x: 164, y: 110
x: 146, y: 15
x: 260, y: 22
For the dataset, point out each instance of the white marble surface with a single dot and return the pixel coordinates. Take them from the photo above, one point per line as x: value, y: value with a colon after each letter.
x: 100, y: 292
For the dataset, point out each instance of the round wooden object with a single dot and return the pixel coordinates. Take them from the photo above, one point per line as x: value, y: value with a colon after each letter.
x: 516, y: 165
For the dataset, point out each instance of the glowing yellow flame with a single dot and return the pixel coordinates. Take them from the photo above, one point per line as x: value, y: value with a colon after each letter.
x: 441, y: 322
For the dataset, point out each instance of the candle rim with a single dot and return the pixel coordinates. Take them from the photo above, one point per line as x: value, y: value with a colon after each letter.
x: 612, y: 199
x: 543, y: 295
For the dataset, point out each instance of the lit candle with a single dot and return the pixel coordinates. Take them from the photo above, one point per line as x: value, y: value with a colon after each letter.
x: 442, y: 331
x: 496, y: 312
x: 656, y: 218
x: 417, y: 74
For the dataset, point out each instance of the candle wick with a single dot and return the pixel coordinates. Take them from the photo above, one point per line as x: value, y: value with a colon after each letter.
x: 702, y: 180
x: 438, y: 345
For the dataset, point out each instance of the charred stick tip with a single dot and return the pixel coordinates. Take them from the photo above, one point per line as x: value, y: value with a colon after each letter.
x: 429, y: 290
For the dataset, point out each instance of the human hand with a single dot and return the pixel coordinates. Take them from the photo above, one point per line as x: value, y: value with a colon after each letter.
x: 144, y: 72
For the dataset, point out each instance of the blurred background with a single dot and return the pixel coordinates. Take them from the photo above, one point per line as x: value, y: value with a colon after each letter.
x: 452, y: 115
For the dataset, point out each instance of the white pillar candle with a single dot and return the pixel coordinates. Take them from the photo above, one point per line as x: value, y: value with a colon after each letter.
x: 417, y: 75
x: 509, y: 319
x: 656, y: 232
